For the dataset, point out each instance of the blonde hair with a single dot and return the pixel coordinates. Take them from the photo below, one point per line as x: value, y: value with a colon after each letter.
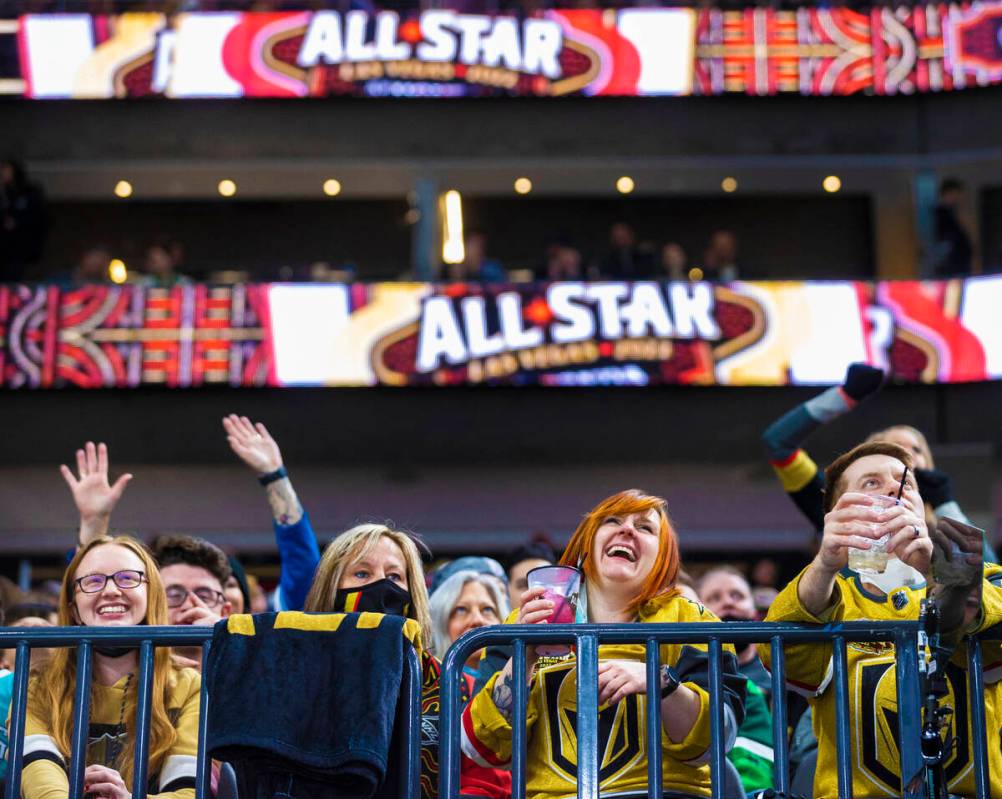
x: 353, y: 545
x: 54, y: 682
x: 881, y: 435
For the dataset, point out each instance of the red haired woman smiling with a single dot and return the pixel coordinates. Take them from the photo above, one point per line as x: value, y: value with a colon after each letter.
x: 628, y: 550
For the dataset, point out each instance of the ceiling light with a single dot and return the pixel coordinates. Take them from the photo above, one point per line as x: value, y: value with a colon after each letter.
x: 625, y: 185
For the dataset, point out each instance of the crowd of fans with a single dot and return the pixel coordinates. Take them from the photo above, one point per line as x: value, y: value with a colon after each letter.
x: 164, y: 262
x: 625, y: 258
x: 629, y: 553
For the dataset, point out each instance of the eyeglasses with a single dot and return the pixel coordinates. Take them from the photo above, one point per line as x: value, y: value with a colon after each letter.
x: 176, y: 594
x: 125, y: 579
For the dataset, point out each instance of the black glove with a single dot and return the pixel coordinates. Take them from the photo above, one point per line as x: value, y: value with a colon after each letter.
x: 934, y: 486
x: 862, y: 380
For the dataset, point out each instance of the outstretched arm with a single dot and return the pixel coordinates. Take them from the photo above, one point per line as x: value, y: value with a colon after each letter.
x: 94, y: 497
x: 255, y: 447
x: 297, y: 545
x: 800, y: 476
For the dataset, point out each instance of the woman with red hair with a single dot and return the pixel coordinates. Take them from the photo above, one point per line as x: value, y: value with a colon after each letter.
x: 628, y: 552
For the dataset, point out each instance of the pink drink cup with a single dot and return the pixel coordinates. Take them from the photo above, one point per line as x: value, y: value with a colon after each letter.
x: 563, y: 610
x: 561, y: 585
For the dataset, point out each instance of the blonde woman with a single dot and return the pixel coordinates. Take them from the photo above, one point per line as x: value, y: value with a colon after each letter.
x: 111, y: 582
x: 374, y: 568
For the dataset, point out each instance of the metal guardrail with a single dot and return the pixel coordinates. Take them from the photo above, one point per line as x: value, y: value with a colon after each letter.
x: 147, y: 639
x: 588, y: 637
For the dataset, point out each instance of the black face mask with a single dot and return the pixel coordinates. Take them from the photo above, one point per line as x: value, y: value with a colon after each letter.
x: 382, y: 596
x: 111, y: 651
x: 114, y: 651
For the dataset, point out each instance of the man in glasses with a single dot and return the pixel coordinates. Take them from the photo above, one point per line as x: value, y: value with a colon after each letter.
x: 194, y: 573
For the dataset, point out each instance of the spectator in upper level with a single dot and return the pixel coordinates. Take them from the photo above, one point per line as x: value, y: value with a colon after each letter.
x: 161, y: 263
x: 720, y: 260
x: 23, y: 221
x: 626, y: 260
x: 477, y: 267
x: 92, y: 267
x: 563, y: 262
x: 953, y: 243
x: 674, y: 262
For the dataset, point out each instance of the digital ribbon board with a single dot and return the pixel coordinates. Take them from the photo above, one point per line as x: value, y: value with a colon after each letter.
x: 542, y: 334
x: 443, y: 53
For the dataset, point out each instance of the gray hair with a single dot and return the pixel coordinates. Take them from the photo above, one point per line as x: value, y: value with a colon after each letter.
x: 445, y: 597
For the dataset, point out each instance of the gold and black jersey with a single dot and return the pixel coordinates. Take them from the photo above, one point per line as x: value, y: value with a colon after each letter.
x: 873, y: 703
x: 551, y: 762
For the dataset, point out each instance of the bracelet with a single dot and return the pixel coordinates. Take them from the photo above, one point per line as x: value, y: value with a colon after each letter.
x: 271, y: 477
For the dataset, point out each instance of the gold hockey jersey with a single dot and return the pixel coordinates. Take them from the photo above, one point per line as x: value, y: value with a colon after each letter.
x: 551, y: 762
x: 873, y: 704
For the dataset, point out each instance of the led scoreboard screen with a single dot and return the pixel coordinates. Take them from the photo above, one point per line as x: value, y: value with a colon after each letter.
x: 445, y: 53
x: 543, y: 334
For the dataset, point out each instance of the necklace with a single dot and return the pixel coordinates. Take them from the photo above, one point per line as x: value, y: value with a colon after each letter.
x: 115, y: 745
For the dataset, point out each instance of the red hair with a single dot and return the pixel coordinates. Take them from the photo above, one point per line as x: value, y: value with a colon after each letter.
x: 662, y: 578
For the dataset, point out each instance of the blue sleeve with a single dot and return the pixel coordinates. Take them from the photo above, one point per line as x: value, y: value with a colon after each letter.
x: 299, y: 556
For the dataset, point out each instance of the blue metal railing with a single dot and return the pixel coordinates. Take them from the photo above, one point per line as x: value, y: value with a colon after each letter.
x: 147, y: 639
x: 587, y: 637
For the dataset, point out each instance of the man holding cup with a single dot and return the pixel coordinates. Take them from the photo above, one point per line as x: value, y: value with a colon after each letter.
x: 872, y: 504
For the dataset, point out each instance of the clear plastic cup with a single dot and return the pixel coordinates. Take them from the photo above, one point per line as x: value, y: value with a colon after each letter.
x: 562, y: 586
x: 874, y: 559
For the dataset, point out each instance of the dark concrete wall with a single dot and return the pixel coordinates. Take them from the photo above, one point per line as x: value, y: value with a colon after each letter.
x: 569, y: 127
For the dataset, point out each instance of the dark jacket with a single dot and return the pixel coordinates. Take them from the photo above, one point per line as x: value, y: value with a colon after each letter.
x: 304, y: 704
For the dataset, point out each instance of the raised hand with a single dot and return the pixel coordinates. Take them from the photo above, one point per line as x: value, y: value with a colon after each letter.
x: 252, y: 444
x: 93, y: 495
x: 851, y: 523
x: 862, y: 380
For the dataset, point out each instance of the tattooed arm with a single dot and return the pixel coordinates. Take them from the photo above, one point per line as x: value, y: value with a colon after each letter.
x: 504, y: 694
x: 297, y: 545
x: 285, y: 507
x: 534, y: 609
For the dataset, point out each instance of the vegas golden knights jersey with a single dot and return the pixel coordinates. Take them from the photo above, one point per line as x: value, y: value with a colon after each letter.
x: 873, y: 704
x: 551, y: 763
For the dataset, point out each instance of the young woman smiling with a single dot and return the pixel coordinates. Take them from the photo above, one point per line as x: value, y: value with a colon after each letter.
x: 111, y: 582
x: 628, y: 551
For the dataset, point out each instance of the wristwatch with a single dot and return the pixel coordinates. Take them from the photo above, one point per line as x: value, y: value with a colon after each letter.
x: 669, y: 681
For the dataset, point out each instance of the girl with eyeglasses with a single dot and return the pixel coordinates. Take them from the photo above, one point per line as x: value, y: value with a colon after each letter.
x: 111, y: 582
